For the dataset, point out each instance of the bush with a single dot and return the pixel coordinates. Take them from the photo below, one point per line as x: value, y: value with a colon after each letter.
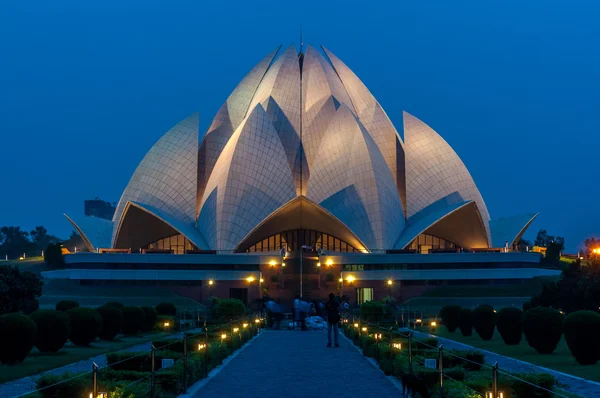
x: 166, y: 309
x: 527, y: 305
x: 65, y: 305
x: 150, y: 317
x: 138, y: 361
x: 52, y: 330
x: 372, y: 311
x: 473, y: 359
x: 77, y: 387
x: 543, y: 328
x: 523, y: 389
x: 17, y: 337
x: 86, y: 325
x: 510, y: 325
x: 449, y: 315
x: 114, y: 304
x: 465, y: 321
x: 29, y: 306
x: 133, y: 318
x: 484, y: 321
x: 582, y: 334
x: 112, y: 322
x: 230, y: 309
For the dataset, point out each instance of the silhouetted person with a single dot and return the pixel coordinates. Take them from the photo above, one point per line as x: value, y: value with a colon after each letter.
x: 333, y: 318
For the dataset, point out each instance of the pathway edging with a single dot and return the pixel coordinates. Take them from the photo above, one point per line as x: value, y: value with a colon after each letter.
x: 197, y: 386
x: 374, y: 363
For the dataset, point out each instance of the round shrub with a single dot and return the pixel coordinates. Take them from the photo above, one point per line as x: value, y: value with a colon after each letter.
x: 133, y: 318
x: 114, y: 304
x: 112, y: 322
x: 527, y: 305
x: 582, y: 334
x: 509, y: 323
x: 465, y: 321
x: 17, y: 336
x: 230, y: 309
x: 150, y: 316
x: 166, y: 309
x: 86, y: 325
x: 65, y: 305
x: 52, y: 330
x: 484, y: 321
x: 449, y: 315
x: 543, y: 327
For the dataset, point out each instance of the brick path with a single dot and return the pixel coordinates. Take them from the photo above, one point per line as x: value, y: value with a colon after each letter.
x: 297, y: 364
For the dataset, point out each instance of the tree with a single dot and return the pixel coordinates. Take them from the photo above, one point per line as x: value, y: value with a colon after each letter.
x: 74, y: 241
x: 40, y: 238
x: 543, y: 239
x: 17, y: 289
x: 53, y: 255
x: 14, y: 242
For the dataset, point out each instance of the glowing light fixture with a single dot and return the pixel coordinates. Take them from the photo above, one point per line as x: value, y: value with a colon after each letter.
x: 235, y: 330
x: 389, y: 282
x: 433, y: 324
x: 166, y: 324
x: 329, y: 263
x: 397, y: 346
x: 356, y: 325
x: 318, y: 264
x: 364, y: 329
x: 257, y: 320
x: 272, y: 263
x: 245, y: 325
x: 261, y: 280
x: 211, y: 282
x: 223, y: 336
x: 250, y: 279
x: 201, y: 346
x: 350, y: 279
x: 341, y: 279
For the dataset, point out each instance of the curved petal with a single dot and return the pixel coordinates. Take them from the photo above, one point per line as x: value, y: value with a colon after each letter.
x: 96, y: 232
x: 434, y: 170
x: 166, y: 178
x: 250, y: 180
x: 374, y: 119
x: 227, y: 120
x: 351, y: 180
x: 300, y: 213
x: 142, y: 224
x: 510, y: 229
x: 279, y: 95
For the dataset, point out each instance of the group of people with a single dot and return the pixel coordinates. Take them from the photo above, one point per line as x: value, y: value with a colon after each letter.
x: 330, y: 310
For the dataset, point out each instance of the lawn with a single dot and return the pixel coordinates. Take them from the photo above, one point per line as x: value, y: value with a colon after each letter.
x: 560, y: 360
x: 37, y: 362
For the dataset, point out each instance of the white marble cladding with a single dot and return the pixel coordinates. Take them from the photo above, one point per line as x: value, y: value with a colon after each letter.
x: 301, y: 124
x: 434, y: 171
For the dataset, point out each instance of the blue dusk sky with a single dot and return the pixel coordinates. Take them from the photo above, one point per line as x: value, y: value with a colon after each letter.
x: 87, y: 87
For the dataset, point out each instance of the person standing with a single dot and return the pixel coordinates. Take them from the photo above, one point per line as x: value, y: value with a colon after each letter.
x: 333, y: 318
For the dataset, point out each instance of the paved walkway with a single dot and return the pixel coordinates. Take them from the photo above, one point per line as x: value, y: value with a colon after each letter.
x: 576, y: 385
x: 297, y: 364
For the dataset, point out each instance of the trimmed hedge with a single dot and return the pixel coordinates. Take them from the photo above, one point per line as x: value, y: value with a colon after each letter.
x: 52, y: 330
x: 166, y: 309
x: 112, y: 321
x: 582, y: 334
x: 150, y: 317
x: 17, y: 337
x: 65, y: 305
x: 114, y: 304
x: 543, y: 328
x: 484, y: 321
x: 510, y: 325
x: 133, y: 318
x: 230, y: 309
x: 86, y: 325
x: 465, y: 321
x: 372, y: 311
x: 450, y: 315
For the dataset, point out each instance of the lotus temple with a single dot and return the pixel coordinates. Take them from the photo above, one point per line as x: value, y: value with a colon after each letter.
x: 301, y: 185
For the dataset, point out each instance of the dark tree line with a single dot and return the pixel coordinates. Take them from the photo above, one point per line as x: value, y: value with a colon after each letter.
x: 14, y: 241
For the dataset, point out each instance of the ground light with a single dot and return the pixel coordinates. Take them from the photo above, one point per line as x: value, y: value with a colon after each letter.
x: 250, y: 279
x: 261, y: 280
x: 211, y: 282
x: 235, y: 330
x: 364, y: 329
x: 272, y: 263
x: 341, y: 279
x: 257, y: 320
x: 356, y: 325
x: 166, y: 324
x: 490, y: 394
x: 201, y: 346
x: 99, y: 395
x: 433, y: 324
x: 397, y: 346
x: 245, y: 325
x: 223, y: 336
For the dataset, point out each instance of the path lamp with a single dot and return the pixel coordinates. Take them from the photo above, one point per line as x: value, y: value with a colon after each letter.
x: 433, y: 325
x: 99, y: 395
x: 390, y: 283
x: 490, y: 394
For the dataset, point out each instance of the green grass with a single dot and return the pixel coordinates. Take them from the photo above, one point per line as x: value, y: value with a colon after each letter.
x: 37, y: 362
x: 560, y: 360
